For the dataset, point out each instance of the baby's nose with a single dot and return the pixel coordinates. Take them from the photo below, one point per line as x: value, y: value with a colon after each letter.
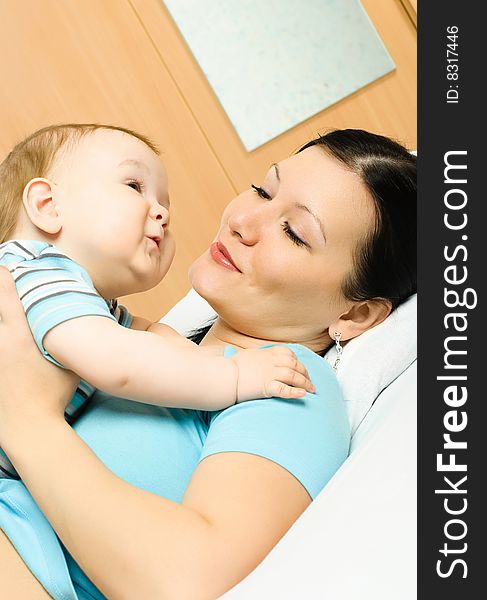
x: 160, y: 213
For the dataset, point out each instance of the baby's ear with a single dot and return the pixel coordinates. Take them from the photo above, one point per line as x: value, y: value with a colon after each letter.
x: 360, y: 317
x: 40, y: 206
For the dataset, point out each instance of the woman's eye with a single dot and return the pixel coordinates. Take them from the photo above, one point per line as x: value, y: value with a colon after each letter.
x: 292, y: 236
x: 136, y: 185
x: 261, y: 192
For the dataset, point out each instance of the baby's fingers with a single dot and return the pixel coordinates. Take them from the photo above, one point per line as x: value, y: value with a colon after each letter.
x: 285, y: 357
x: 278, y: 389
x: 294, y: 378
x: 289, y: 378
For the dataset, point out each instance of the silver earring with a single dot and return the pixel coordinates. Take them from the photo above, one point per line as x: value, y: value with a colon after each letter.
x: 338, y: 348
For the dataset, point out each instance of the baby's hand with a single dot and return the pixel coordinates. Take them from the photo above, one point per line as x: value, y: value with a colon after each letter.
x: 269, y: 372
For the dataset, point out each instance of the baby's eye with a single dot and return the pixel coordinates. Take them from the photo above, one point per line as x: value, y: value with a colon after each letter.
x: 261, y: 192
x: 136, y: 185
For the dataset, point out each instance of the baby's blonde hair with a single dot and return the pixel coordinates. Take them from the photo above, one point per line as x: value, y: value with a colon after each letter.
x: 35, y: 157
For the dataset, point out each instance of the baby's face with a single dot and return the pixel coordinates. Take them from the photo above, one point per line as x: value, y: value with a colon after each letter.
x: 111, y: 191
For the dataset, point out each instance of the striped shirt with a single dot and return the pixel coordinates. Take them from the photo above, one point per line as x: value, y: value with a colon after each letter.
x: 54, y: 289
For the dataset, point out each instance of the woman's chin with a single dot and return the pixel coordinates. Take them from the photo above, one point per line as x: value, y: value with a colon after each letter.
x: 208, y: 281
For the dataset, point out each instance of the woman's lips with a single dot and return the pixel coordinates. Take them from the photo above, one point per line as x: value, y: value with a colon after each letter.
x: 221, y: 255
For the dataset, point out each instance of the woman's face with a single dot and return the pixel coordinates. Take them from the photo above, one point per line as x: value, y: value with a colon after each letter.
x: 291, y: 242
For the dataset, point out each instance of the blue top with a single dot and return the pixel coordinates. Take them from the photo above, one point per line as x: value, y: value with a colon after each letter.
x: 158, y: 449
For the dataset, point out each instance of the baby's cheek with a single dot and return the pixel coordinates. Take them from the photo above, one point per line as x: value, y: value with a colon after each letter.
x: 168, y: 250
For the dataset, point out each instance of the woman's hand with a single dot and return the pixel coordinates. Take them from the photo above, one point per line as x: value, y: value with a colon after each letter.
x: 31, y: 387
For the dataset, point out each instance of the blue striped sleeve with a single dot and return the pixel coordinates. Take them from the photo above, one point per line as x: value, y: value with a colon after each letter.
x: 54, y: 289
x: 121, y: 314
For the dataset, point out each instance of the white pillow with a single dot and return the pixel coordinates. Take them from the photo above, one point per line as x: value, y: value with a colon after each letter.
x: 369, y: 363
x: 191, y: 312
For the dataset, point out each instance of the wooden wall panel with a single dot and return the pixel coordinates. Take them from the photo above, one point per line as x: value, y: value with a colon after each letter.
x: 411, y: 7
x: 92, y: 61
x: 124, y: 62
x: 386, y: 106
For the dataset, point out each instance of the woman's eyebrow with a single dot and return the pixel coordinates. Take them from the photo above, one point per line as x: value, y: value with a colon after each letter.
x: 303, y: 206
x: 315, y: 217
x: 134, y: 163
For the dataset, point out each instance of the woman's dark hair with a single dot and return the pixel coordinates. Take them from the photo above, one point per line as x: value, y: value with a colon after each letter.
x: 385, y: 263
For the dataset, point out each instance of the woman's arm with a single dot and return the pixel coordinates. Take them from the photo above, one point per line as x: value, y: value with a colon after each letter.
x: 134, y: 544
x: 16, y: 579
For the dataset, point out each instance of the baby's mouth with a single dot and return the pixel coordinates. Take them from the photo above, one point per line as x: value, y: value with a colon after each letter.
x: 155, y: 238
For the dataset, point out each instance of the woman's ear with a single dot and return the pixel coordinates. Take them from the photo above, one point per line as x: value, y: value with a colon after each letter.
x: 360, y: 317
x: 40, y: 206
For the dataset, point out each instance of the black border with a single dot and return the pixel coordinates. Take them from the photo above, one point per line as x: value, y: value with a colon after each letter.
x: 444, y: 127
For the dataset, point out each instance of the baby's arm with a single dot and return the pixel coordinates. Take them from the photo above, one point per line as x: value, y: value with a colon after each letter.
x: 257, y: 369
x: 168, y: 333
x: 143, y: 366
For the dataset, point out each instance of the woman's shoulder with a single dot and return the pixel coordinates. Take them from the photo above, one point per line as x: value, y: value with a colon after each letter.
x: 318, y: 368
x: 308, y: 354
x: 298, y: 349
x: 308, y: 436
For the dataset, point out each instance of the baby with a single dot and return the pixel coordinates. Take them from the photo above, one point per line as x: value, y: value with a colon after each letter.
x: 84, y: 215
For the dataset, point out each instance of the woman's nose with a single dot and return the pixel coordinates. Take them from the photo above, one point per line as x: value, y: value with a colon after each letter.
x: 246, y: 224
